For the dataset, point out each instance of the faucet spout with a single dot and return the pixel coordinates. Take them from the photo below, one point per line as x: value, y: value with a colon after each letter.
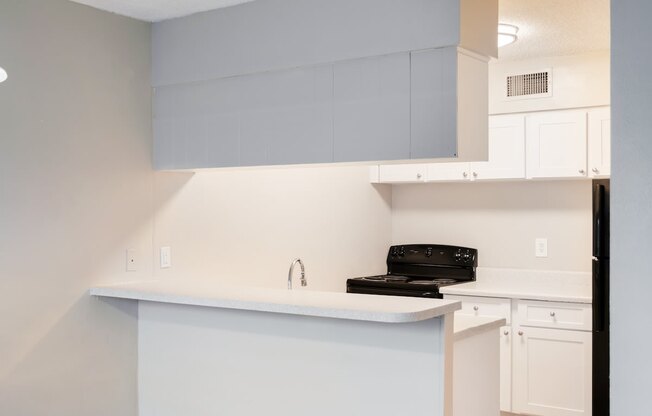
x: 304, y: 282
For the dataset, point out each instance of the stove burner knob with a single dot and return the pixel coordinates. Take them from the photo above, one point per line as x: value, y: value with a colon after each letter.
x: 401, y: 252
x: 394, y: 252
x: 429, y: 252
x: 458, y: 255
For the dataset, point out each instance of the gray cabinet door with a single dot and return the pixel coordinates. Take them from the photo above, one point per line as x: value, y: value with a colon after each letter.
x: 372, y: 109
x: 197, y: 125
x: 287, y: 117
x: 434, y: 103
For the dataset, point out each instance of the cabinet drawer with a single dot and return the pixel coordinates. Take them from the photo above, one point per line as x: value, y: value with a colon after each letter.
x: 402, y: 173
x: 554, y: 315
x: 481, y: 306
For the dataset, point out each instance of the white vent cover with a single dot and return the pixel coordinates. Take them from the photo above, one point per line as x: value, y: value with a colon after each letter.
x: 531, y: 85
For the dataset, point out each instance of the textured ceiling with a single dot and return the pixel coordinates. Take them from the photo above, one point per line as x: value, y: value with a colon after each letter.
x: 555, y: 27
x: 157, y: 10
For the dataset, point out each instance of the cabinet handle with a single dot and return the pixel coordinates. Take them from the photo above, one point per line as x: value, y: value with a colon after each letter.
x: 520, y: 333
x: 552, y: 314
x: 465, y: 174
x: 506, y: 333
x: 595, y: 170
x: 475, y: 308
x: 419, y: 176
x: 581, y: 171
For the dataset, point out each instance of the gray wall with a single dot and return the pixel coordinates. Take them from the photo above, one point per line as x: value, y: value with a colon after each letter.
x: 631, y: 281
x: 75, y: 192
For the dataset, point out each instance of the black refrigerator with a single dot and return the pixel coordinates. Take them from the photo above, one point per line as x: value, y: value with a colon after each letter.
x: 601, y: 297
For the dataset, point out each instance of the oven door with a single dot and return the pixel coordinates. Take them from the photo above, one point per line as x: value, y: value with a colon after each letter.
x: 393, y: 292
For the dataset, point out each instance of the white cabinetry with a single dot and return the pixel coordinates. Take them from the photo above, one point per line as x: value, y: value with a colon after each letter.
x: 402, y: 173
x: 552, y: 372
x: 600, y: 143
x: 545, y: 354
x: 496, y: 308
x: 448, y: 172
x: 556, y: 144
x: 506, y: 150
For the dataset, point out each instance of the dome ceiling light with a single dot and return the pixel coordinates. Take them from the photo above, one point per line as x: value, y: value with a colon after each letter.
x: 506, y: 34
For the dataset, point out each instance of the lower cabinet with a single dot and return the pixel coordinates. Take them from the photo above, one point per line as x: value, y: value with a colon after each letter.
x: 545, y: 354
x: 551, y: 372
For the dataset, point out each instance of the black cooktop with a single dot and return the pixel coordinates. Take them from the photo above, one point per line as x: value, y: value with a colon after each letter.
x: 419, y: 270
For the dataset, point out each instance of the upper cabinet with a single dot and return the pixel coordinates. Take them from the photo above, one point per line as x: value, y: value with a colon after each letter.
x: 335, y: 81
x: 372, y: 109
x: 449, y: 105
x: 544, y: 145
x: 506, y: 150
x: 556, y: 144
x: 600, y: 142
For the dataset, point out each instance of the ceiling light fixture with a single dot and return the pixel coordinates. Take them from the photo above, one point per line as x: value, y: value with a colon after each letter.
x: 506, y: 34
x: 3, y: 75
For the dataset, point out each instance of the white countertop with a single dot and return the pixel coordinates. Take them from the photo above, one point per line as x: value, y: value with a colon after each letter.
x: 467, y: 326
x: 527, y: 284
x: 390, y: 309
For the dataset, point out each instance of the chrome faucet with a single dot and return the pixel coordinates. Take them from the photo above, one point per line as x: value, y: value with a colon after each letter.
x: 304, y: 282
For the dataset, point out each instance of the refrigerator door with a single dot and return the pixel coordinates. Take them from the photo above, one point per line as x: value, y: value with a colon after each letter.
x: 601, y: 218
x: 600, y: 294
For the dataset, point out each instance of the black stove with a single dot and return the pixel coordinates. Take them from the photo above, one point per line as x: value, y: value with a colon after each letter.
x: 419, y: 270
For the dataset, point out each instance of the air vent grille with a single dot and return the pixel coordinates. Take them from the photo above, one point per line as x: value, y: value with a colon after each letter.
x: 528, y: 85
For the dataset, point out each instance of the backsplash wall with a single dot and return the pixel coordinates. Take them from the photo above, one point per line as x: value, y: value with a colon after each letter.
x: 245, y: 226
x: 502, y: 220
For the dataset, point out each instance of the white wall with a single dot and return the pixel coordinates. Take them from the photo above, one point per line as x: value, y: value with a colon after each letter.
x: 245, y: 226
x: 577, y: 81
x: 75, y: 192
x: 501, y: 220
x: 631, y: 221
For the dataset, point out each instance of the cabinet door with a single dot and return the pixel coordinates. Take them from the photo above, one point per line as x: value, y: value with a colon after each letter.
x: 433, y: 118
x: 402, y: 173
x: 506, y: 150
x: 287, y: 117
x: 556, y: 144
x: 372, y: 109
x: 552, y: 372
x: 506, y: 369
x: 600, y: 143
x: 448, y: 172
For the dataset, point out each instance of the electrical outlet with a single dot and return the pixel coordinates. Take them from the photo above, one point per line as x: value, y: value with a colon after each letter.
x: 166, y: 257
x: 132, y: 260
x: 541, y: 247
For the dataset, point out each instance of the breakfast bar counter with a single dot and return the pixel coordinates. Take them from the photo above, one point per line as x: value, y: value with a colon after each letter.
x: 209, y: 349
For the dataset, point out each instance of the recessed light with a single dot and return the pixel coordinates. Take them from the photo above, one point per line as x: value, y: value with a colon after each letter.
x: 506, y: 34
x: 3, y: 75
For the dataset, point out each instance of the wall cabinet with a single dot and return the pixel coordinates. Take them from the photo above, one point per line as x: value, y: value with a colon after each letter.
x: 413, y: 105
x: 506, y: 150
x: 556, y: 144
x: 571, y: 144
x: 545, y: 354
x: 600, y: 143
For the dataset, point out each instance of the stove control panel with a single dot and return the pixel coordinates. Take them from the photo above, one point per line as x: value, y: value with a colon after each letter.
x: 433, y: 254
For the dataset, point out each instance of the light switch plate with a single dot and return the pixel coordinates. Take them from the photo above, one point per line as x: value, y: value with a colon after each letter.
x: 132, y: 260
x: 541, y: 247
x: 166, y: 257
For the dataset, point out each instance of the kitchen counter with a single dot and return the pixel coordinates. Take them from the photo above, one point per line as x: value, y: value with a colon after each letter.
x: 373, y: 308
x: 527, y: 284
x: 213, y: 349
